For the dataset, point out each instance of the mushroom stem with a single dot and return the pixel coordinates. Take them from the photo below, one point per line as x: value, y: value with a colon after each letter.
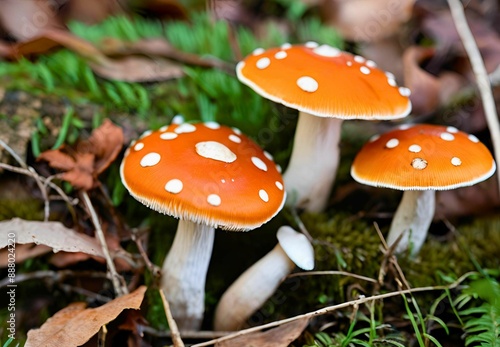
x: 184, y: 271
x: 313, y: 164
x: 251, y: 290
x: 412, y: 218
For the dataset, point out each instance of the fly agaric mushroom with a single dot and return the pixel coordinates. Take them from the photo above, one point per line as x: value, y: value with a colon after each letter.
x: 327, y: 86
x: 209, y: 176
x: 258, y: 283
x: 419, y: 160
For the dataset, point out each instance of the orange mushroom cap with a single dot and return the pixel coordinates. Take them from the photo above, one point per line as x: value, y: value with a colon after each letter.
x: 325, y: 82
x: 206, y: 173
x: 423, y: 157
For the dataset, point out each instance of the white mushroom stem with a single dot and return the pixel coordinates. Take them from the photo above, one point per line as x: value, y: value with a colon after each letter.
x: 184, y: 272
x: 251, y: 290
x: 311, y: 172
x: 412, y: 219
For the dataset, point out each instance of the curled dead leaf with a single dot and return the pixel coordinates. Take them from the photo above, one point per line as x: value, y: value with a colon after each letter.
x: 23, y: 253
x: 75, y: 325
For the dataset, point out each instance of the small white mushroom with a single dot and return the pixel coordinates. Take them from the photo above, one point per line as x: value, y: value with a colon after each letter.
x: 258, y: 283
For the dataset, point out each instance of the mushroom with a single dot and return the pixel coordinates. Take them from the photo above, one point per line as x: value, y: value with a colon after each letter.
x: 258, y: 283
x: 209, y: 176
x: 419, y: 160
x: 327, y: 86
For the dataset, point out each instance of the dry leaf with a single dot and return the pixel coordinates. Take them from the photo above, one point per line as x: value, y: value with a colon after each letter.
x: 75, y: 325
x: 92, y: 11
x: 368, y: 20
x: 281, y: 336
x: 23, y: 252
x: 91, y: 157
x: 138, y: 69
x: 52, y: 234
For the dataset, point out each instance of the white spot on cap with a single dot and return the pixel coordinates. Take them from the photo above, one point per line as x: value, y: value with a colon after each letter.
x: 455, y: 161
x: 327, y: 51
x: 364, y: 70
x: 258, y: 51
x: 280, y: 55
x: 263, y: 195
x: 390, y: 75
x: 392, y: 143
x: 164, y: 128
x: 414, y: 148
x: 392, y: 82
x: 349, y: 63
x: 223, y: 180
x: 405, y: 126
x: 419, y: 163
x: 262, y: 63
x: 234, y: 138
x: 168, y: 136
x: 447, y: 136
x: 214, y: 200
x: 236, y: 131
x: 452, y: 130
x: 473, y: 138
x: 359, y: 59
x: 307, y: 84
x: 311, y: 44
x: 279, y: 185
x: 216, y: 151
x: 185, y: 128
x: 404, y: 91
x: 212, y: 125
x: 286, y: 46
x: 371, y: 63
x: 268, y: 155
x: 138, y: 146
x: 150, y: 159
x: 278, y: 168
x: 174, y: 186
x: 259, y: 163
x: 374, y: 138
x: 146, y: 133
x: 178, y: 119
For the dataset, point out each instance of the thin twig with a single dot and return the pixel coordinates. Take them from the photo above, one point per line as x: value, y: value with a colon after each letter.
x: 482, y: 78
x: 13, y: 154
x: 329, y: 309
x: 155, y: 270
x: 188, y: 334
x: 301, y: 225
x: 342, y: 273
x: 115, y: 277
x: 174, y: 330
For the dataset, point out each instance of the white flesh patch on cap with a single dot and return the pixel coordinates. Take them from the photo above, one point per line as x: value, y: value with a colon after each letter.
x: 279, y: 185
x: 327, y: 51
x: 392, y: 143
x: 473, y: 138
x: 174, y: 186
x: 419, y: 163
x: 447, y: 136
x: 392, y: 82
x: 262, y: 63
x: 150, y: 159
x: 164, y: 128
x: 146, y: 133
x: 258, y: 51
x: 390, y: 75
x: 259, y: 163
x: 311, y: 44
x: 138, y: 146
x: 414, y: 148
x: 178, y: 119
x: 349, y: 63
x: 168, y: 136
x: 278, y: 168
x: 263, y: 195
x: 359, y: 59
x: 405, y: 126
x: 212, y: 125
x: 268, y: 155
x: 280, y: 55
x: 185, y: 128
x: 216, y: 151
x: 452, y: 129
x: 374, y: 138
x: 371, y: 63
x: 364, y: 70
x: 214, y: 200
x: 404, y: 91
x: 455, y: 161
x: 307, y: 84
x: 286, y: 46
x: 234, y: 138
x: 236, y: 131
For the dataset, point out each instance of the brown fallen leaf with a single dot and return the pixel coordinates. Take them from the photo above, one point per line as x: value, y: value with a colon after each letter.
x: 75, y: 325
x: 91, y: 157
x: 138, y: 69
x: 281, y: 336
x: 23, y: 253
x: 52, y: 234
x: 368, y: 20
x: 92, y: 11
